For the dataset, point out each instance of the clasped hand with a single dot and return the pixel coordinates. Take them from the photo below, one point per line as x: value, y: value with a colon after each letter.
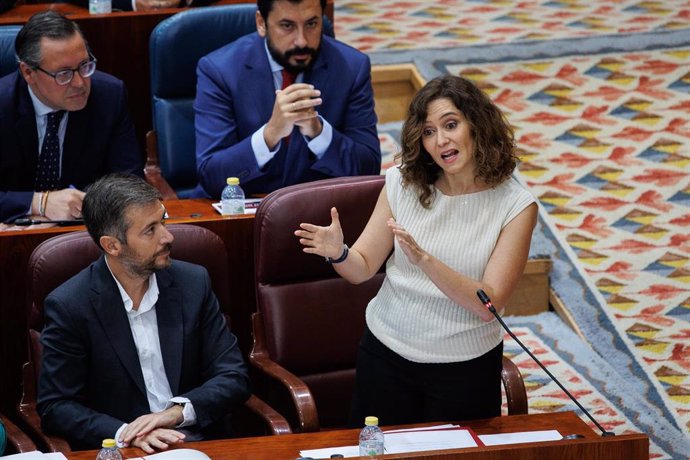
x: 153, y: 432
x: 294, y: 106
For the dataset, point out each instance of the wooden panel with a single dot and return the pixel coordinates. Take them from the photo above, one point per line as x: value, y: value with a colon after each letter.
x: 532, y: 293
x: 394, y: 87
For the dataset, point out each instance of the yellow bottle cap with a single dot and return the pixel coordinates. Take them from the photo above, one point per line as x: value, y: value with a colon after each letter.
x: 108, y: 443
x: 371, y: 421
x: 233, y: 181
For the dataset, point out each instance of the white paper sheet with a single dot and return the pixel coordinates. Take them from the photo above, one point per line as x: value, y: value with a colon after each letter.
x: 36, y: 455
x: 417, y: 441
x: 326, y: 452
x: 408, y: 440
x: 521, y: 437
x: 179, y: 454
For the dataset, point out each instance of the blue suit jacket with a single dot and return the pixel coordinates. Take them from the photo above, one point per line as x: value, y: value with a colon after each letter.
x: 99, y: 139
x: 91, y: 380
x: 235, y: 97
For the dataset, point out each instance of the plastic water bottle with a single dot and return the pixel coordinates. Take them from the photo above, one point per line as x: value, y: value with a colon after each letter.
x: 100, y: 6
x: 371, y: 438
x: 232, y: 198
x: 109, y: 451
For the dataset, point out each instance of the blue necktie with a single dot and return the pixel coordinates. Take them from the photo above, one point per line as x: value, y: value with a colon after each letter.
x: 48, y: 169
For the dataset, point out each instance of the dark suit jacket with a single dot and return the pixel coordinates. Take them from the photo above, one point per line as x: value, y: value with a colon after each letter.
x: 99, y: 139
x: 91, y: 380
x: 235, y: 97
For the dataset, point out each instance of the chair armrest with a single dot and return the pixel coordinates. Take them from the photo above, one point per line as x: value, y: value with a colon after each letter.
x: 275, y: 422
x: 152, y: 170
x: 29, y: 415
x: 299, y: 391
x: 19, y: 440
x: 516, y: 395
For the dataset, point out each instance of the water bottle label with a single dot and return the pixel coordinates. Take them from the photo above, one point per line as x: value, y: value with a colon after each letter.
x: 100, y: 6
x: 230, y: 207
x: 370, y: 448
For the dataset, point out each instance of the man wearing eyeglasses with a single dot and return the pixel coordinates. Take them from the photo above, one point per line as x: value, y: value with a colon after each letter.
x: 62, y: 124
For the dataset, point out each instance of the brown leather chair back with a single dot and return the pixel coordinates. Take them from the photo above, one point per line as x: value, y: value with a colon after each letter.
x: 312, y: 318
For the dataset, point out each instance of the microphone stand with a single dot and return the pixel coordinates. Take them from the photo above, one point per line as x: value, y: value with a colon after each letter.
x: 487, y: 303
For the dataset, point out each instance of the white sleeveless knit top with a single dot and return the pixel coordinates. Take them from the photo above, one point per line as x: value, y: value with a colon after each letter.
x: 410, y: 315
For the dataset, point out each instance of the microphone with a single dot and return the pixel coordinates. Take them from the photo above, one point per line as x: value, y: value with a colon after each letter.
x: 26, y: 221
x: 487, y: 303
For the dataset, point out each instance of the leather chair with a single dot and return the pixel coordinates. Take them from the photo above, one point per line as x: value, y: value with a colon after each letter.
x: 57, y: 259
x: 17, y: 440
x: 175, y: 47
x: 8, y: 60
x: 309, y: 320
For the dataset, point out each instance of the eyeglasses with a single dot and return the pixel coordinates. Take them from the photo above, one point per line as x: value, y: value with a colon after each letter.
x: 64, y: 77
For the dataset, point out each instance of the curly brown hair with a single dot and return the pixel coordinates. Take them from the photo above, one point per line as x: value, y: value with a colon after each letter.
x: 494, y: 144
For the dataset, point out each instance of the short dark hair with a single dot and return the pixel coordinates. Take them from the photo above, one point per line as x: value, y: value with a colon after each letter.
x: 494, y: 143
x: 108, y: 199
x: 48, y: 24
x: 265, y: 6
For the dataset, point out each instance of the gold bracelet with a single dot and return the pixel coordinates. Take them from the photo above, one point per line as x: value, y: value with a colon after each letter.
x: 40, y: 204
x: 44, y: 203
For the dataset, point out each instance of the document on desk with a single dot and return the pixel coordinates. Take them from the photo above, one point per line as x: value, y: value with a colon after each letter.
x: 36, y: 455
x: 409, y: 440
x: 176, y: 454
x: 521, y: 437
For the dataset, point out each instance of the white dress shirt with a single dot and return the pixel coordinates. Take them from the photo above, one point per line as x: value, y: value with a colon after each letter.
x: 144, y: 324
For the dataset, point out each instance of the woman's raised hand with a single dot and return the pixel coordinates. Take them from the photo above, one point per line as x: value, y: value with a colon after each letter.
x: 322, y: 241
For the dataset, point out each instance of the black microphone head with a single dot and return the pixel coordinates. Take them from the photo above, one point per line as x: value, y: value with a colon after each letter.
x: 23, y: 221
x: 483, y: 297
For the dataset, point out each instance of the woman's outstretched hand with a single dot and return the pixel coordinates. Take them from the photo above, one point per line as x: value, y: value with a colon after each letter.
x: 322, y: 241
x: 408, y: 245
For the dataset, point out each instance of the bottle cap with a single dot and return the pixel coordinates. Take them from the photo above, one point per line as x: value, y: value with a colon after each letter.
x: 371, y: 421
x: 233, y: 181
x: 108, y: 443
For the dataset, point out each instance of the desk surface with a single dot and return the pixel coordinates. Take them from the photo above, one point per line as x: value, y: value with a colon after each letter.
x: 284, y: 447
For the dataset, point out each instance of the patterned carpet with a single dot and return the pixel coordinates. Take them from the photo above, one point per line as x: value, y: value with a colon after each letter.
x: 599, y: 95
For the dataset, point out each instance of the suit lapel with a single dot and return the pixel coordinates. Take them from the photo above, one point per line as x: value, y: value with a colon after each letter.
x: 258, y: 71
x: 26, y: 129
x: 107, y: 303
x: 170, y: 327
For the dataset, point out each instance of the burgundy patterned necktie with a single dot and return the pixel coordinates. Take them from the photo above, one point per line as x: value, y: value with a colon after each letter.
x: 48, y: 169
x: 288, y: 79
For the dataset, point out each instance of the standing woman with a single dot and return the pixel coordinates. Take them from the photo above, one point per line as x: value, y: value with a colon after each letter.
x: 456, y: 222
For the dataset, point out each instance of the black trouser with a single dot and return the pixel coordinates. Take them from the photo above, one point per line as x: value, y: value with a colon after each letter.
x: 399, y: 391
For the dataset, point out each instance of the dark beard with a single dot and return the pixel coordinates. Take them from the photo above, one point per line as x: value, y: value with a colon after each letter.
x: 284, y: 58
x: 144, y: 270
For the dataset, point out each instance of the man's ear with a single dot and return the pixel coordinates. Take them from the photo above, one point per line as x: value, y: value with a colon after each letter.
x: 27, y: 72
x: 110, y: 245
x: 260, y: 24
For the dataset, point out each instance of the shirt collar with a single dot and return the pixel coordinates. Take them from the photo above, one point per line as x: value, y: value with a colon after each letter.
x: 147, y: 302
x: 39, y: 107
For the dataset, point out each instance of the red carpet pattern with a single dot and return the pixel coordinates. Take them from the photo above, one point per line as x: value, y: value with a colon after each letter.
x: 604, y: 145
x: 545, y: 396
x: 395, y: 25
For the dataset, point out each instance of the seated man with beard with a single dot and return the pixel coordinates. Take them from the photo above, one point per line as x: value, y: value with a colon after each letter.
x: 284, y: 105
x: 135, y: 346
